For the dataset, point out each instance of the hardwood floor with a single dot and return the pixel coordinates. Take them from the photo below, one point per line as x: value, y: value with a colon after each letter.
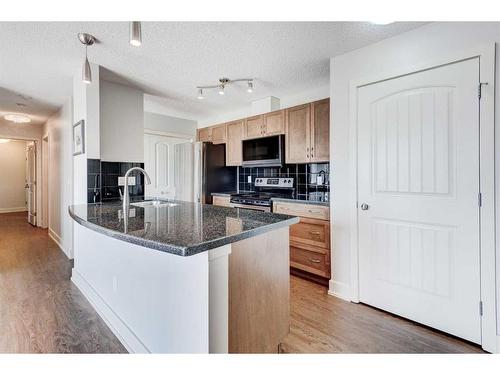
x: 41, y: 311
x: 325, y: 324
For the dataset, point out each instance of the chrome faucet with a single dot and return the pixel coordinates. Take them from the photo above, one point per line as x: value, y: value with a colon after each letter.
x: 126, y: 195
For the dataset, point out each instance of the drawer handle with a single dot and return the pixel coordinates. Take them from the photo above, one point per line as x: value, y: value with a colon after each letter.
x: 317, y: 233
x: 315, y: 260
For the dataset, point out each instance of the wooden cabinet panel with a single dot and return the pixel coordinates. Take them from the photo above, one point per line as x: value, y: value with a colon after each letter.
x: 311, y: 232
x: 310, y: 261
x: 274, y: 123
x: 302, y: 210
x: 297, y: 134
x: 220, y: 201
x: 219, y: 134
x: 234, y: 131
x: 320, y: 131
x: 205, y: 134
x: 254, y: 127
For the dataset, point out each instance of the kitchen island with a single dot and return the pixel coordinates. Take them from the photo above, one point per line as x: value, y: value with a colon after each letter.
x: 181, y: 277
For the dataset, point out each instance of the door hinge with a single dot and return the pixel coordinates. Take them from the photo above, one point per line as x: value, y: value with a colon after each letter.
x: 481, y: 308
x: 480, y: 89
x: 479, y: 199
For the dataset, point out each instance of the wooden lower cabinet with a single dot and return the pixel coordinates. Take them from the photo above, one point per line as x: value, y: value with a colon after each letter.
x: 309, y: 239
x: 310, y: 260
x: 218, y: 200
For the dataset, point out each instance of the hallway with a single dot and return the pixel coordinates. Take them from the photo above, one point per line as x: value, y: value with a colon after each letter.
x: 41, y: 311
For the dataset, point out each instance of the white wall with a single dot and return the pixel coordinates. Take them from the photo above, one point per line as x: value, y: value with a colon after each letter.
x: 422, y: 45
x: 86, y: 107
x: 13, y: 176
x: 58, y: 129
x: 169, y: 124
x: 121, y: 123
x: 285, y: 102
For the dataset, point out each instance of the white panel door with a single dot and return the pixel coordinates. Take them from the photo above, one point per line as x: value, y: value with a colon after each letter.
x: 159, y: 165
x: 31, y: 182
x: 418, y: 176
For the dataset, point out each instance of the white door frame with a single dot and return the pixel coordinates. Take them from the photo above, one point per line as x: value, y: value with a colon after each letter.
x: 486, y: 54
x: 38, y: 168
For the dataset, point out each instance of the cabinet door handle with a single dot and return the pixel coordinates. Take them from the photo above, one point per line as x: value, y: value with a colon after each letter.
x: 315, y: 260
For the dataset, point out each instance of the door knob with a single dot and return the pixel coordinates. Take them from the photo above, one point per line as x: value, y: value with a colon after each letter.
x: 364, y: 206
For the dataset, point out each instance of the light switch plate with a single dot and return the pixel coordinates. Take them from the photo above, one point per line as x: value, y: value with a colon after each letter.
x: 249, y: 179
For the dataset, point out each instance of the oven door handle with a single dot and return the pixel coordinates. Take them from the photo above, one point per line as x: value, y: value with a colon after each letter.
x: 251, y: 207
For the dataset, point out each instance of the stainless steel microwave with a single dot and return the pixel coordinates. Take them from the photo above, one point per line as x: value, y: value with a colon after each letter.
x: 264, y: 152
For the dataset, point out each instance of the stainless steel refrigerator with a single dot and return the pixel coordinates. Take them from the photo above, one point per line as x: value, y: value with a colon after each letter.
x: 200, y: 170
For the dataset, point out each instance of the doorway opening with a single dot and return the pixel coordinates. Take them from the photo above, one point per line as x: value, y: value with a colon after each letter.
x: 18, y: 188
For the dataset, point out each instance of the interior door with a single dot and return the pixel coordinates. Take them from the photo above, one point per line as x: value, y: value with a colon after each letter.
x: 159, y: 165
x: 418, y: 185
x: 31, y: 182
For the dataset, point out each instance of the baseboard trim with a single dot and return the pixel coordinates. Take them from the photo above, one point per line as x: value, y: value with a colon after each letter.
x: 53, y: 235
x: 129, y: 340
x: 12, y: 209
x: 339, y: 290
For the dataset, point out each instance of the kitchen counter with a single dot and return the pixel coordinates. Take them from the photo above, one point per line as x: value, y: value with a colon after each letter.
x: 218, y: 284
x: 185, y: 229
x: 301, y: 201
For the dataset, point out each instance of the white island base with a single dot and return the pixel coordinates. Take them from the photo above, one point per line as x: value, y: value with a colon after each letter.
x: 231, y: 299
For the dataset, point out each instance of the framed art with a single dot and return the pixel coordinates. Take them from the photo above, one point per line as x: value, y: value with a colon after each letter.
x: 79, y: 138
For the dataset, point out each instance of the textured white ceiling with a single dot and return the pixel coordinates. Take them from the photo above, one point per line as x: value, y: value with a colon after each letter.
x: 39, y: 59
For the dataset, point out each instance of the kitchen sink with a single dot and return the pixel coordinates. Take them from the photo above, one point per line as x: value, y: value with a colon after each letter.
x: 154, y: 203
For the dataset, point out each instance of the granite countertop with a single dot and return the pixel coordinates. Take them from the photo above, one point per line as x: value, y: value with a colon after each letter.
x: 301, y: 201
x: 185, y: 229
x: 224, y: 194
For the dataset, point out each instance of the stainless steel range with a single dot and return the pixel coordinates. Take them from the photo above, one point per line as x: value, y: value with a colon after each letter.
x: 266, y: 188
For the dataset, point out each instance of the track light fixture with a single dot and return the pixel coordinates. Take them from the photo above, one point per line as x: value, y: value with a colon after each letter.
x: 223, y: 82
x: 87, y: 40
x: 135, y: 33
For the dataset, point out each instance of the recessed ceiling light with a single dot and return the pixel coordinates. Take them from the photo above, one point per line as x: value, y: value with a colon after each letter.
x: 18, y: 119
x: 4, y: 140
x: 381, y: 22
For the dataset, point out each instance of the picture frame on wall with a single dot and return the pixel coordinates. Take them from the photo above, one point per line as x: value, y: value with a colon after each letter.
x: 79, y: 138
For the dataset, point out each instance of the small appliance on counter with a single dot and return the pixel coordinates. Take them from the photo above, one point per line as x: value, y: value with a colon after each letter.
x: 265, y: 190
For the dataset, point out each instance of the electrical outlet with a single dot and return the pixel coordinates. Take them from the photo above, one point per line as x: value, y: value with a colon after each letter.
x: 249, y: 179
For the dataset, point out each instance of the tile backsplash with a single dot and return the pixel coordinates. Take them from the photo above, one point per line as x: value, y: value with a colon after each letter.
x: 102, y: 180
x: 305, y: 179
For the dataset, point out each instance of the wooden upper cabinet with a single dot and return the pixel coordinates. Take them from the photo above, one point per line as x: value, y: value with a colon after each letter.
x: 254, y: 127
x: 235, y: 134
x: 219, y: 134
x: 205, y: 135
x: 274, y: 123
x: 297, y: 134
x: 320, y: 131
